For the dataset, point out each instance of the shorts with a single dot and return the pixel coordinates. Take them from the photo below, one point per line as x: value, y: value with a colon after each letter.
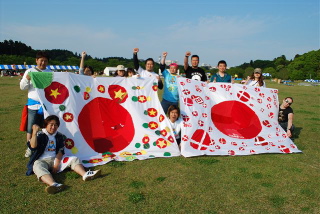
x: 42, y: 167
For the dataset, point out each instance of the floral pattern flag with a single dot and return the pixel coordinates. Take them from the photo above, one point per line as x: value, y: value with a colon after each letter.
x: 107, y: 119
x: 230, y: 119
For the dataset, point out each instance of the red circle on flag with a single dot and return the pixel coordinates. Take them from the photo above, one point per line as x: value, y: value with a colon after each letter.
x: 118, y: 93
x: 65, y: 160
x: 56, y: 93
x: 106, y: 125
x: 197, y: 140
x: 69, y: 143
x: 101, y: 88
x: 68, y: 117
x: 236, y: 120
x: 243, y: 96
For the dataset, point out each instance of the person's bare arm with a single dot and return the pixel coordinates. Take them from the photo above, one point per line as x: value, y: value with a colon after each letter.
x: 57, y: 162
x: 163, y: 60
x: 186, y: 59
x: 290, y: 122
x: 33, y: 140
x: 83, y: 56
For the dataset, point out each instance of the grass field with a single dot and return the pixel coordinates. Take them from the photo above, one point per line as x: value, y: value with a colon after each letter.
x: 269, y: 183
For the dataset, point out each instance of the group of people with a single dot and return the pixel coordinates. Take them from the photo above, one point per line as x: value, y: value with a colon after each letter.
x: 45, y: 146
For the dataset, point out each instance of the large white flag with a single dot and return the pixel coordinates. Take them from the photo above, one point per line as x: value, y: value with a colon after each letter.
x: 230, y: 119
x: 107, y: 118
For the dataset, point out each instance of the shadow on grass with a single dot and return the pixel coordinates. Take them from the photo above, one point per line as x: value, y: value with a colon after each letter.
x: 205, y: 160
x: 297, y: 132
x: 116, y: 164
x: 72, y: 175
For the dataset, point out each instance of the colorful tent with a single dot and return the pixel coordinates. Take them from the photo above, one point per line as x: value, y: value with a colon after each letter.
x: 52, y: 67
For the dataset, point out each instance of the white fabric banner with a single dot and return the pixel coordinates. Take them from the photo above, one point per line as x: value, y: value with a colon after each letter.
x: 107, y: 119
x: 230, y: 119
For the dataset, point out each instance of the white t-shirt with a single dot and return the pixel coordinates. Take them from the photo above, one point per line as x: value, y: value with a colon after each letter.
x: 144, y: 73
x: 255, y: 83
x: 50, y: 151
x: 27, y: 84
x: 176, y: 128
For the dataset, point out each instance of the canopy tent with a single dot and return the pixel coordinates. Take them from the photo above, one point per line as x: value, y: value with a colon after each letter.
x: 52, y: 67
x: 266, y: 74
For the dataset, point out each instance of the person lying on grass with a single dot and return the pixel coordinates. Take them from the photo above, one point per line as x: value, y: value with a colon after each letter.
x: 47, y: 146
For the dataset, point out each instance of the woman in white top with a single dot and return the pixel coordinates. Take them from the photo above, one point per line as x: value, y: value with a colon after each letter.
x: 256, y: 79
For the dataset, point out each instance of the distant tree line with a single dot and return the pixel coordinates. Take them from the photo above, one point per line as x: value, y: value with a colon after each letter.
x: 302, y: 67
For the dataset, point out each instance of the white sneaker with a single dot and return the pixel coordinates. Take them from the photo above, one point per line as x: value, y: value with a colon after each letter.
x: 28, y: 153
x: 90, y: 175
x: 54, y: 188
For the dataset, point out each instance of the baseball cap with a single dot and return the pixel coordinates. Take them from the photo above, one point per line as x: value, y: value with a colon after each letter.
x: 120, y: 68
x: 257, y: 70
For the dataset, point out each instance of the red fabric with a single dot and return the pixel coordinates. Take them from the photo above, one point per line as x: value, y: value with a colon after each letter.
x: 24, y: 119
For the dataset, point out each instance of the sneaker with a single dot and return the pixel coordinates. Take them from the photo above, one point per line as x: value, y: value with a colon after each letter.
x: 90, y: 175
x: 54, y: 188
x: 28, y: 153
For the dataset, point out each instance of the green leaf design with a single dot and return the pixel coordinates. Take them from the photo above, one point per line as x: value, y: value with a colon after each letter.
x: 41, y: 79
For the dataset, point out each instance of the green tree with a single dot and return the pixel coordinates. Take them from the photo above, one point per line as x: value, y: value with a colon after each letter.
x: 297, y: 75
x: 283, y: 74
x: 247, y: 72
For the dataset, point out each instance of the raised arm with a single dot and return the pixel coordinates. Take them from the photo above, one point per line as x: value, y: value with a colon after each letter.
x: 83, y: 56
x: 186, y: 59
x: 163, y: 60
x: 33, y: 140
x: 135, y: 58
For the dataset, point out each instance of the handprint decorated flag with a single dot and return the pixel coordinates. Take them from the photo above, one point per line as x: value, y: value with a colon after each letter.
x: 230, y: 119
x: 107, y: 119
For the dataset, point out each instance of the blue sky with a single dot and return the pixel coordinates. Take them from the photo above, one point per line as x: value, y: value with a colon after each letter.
x: 236, y: 31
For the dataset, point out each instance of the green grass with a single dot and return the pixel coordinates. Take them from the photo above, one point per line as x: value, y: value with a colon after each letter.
x: 267, y: 183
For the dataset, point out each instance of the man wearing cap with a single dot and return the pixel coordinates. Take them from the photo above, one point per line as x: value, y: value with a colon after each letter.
x: 285, y: 117
x: 193, y: 72
x: 170, y: 95
x: 120, y: 71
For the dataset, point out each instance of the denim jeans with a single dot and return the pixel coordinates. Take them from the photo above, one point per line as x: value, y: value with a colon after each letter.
x: 34, y: 118
x: 166, y: 104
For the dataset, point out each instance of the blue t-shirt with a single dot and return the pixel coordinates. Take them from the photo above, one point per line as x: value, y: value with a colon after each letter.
x: 226, y: 78
x: 171, y: 88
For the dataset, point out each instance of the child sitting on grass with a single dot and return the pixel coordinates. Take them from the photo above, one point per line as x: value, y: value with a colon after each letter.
x: 47, y: 146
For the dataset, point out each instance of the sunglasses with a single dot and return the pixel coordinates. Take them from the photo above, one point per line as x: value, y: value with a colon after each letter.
x: 287, y: 101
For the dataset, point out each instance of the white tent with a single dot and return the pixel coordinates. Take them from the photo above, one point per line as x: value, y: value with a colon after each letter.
x: 109, y: 70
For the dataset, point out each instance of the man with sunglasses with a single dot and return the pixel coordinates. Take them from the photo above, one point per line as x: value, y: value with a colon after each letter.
x: 285, y: 117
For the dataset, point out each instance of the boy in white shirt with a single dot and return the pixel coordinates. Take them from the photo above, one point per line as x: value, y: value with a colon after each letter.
x: 47, y: 147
